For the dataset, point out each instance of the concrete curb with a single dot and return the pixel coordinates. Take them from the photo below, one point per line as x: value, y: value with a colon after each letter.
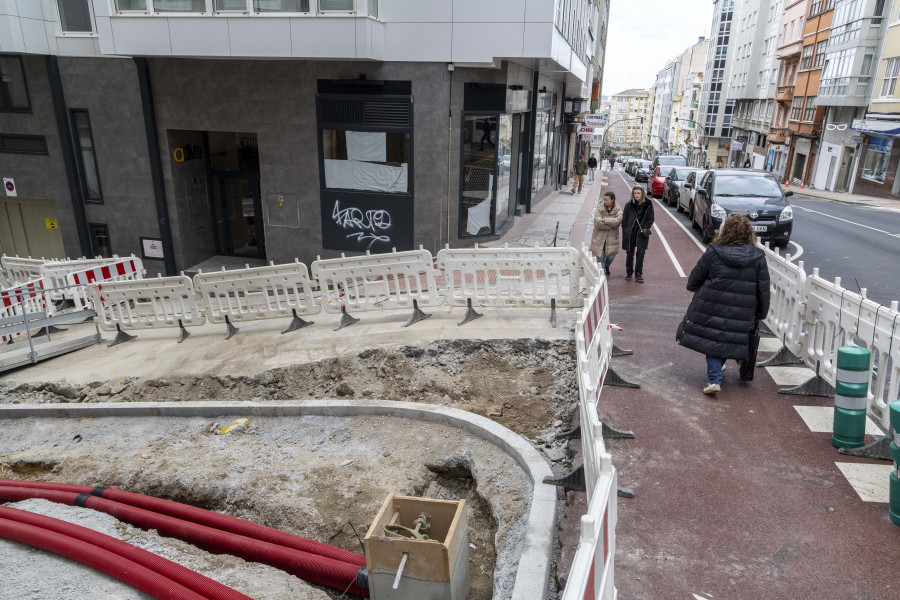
x: 533, y: 570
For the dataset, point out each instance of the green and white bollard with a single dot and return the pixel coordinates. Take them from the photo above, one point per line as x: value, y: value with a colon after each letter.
x: 850, y: 397
x: 895, y: 454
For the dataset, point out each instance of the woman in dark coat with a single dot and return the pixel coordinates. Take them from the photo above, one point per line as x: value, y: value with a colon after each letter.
x: 731, y: 281
x: 637, y: 219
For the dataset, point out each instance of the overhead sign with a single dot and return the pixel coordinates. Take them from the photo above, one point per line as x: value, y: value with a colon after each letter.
x: 883, y: 127
x: 586, y: 133
x: 601, y: 120
x: 51, y: 224
x: 10, y: 186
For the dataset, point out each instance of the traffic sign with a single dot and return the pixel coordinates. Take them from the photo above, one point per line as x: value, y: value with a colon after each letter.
x: 10, y: 186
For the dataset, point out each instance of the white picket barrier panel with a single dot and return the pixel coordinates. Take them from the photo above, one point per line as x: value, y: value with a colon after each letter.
x: 378, y: 281
x: 592, y: 572
x: 786, y: 300
x: 55, y: 272
x: 146, y: 303
x: 270, y: 292
x: 127, y: 269
x: 21, y: 270
x: 526, y: 277
x: 28, y: 297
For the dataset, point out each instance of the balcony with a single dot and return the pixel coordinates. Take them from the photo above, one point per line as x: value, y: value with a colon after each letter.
x: 790, y: 50
x: 777, y: 136
x: 785, y: 93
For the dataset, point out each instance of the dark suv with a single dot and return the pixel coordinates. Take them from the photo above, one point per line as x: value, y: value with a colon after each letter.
x: 725, y: 192
x: 672, y: 160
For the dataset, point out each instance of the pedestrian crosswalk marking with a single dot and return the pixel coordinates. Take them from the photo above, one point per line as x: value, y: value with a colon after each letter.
x: 769, y: 344
x: 870, y: 482
x: 820, y: 419
x: 790, y: 376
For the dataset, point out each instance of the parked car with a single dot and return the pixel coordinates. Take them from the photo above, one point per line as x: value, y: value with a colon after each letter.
x: 688, y: 189
x: 629, y: 165
x: 656, y: 181
x: 754, y: 193
x: 672, y: 160
x: 641, y: 170
x: 672, y: 186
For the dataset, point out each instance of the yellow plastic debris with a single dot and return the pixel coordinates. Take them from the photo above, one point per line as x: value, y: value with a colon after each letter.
x: 236, y: 425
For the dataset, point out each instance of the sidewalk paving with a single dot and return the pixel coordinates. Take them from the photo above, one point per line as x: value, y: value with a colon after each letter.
x: 845, y: 198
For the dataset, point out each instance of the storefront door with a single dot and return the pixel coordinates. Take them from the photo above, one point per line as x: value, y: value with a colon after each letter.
x: 237, y: 206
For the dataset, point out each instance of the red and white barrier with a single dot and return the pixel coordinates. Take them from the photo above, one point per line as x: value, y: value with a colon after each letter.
x: 27, y: 298
x: 129, y: 269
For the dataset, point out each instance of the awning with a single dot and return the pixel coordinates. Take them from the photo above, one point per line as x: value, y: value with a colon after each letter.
x: 876, y: 126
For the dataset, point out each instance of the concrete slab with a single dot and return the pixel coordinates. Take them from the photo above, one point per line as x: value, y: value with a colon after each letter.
x: 769, y: 344
x: 870, y: 482
x: 790, y: 376
x: 820, y: 419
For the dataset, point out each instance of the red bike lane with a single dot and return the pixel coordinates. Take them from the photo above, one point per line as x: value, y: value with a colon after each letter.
x: 736, y: 498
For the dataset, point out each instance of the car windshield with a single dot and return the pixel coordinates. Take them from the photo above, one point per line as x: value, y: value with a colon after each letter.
x: 643, y: 163
x: 680, y: 175
x: 747, y: 186
x: 664, y: 171
x: 672, y: 160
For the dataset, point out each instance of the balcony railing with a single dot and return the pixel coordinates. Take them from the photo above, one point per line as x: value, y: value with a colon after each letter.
x: 785, y: 93
x: 236, y: 7
x: 777, y: 136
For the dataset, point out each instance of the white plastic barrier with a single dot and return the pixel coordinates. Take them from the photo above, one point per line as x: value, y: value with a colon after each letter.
x: 27, y: 298
x: 378, y: 281
x: 129, y: 269
x: 55, y: 272
x: 259, y: 293
x: 21, y: 270
x: 526, y: 277
x: 592, y: 572
x: 146, y: 303
x: 787, y: 300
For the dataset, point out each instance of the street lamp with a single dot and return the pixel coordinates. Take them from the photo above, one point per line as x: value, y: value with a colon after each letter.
x: 608, y: 127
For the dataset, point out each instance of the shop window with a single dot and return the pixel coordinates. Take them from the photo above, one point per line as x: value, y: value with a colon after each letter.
x: 74, y: 16
x: 100, y: 239
x: 87, y: 158
x: 375, y: 161
x: 13, y: 89
x: 478, y: 174
x: 878, y: 155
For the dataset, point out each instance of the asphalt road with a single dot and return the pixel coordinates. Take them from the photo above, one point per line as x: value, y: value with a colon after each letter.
x: 858, y: 243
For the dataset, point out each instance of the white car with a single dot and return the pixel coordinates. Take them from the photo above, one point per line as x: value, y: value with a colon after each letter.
x: 688, y: 189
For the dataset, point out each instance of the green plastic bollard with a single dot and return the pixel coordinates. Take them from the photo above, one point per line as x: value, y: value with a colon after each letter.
x: 895, y: 454
x: 850, y: 396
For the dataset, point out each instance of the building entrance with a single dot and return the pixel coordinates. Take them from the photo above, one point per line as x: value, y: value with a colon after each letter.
x: 237, y: 209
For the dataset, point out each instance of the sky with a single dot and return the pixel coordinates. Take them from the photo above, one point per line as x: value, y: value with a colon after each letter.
x: 645, y: 34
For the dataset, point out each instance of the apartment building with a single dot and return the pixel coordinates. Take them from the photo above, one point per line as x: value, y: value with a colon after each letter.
x: 753, y: 80
x: 255, y: 130
x: 661, y: 117
x: 849, y: 69
x: 789, y: 50
x: 682, y: 136
x: 628, y: 114
x: 646, y: 148
x: 876, y: 173
x: 716, y: 109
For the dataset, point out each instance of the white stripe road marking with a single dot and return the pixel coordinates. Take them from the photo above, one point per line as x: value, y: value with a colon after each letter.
x: 790, y: 376
x: 869, y: 481
x: 896, y: 235
x: 685, y: 229
x: 820, y: 419
x: 799, y: 251
x: 665, y: 244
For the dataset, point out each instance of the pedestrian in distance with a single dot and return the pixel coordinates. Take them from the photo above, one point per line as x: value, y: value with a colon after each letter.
x: 592, y: 165
x: 605, y: 238
x: 731, y: 296
x: 612, y: 162
x: 747, y: 164
x: 486, y: 128
x: 581, y: 169
x: 637, y: 220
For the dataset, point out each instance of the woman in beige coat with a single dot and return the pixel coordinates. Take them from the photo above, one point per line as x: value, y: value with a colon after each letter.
x: 605, y: 239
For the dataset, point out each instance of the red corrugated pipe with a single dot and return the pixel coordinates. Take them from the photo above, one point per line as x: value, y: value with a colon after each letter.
x: 311, y: 567
x: 192, y: 580
x: 126, y: 571
x: 201, y: 517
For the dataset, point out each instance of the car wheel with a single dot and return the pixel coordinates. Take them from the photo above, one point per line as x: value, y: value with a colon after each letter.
x: 678, y: 206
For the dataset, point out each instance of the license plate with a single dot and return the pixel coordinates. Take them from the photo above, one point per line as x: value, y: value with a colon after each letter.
x: 760, y: 228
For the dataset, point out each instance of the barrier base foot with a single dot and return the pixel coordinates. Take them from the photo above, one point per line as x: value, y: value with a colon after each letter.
x: 782, y: 357
x: 764, y: 329
x: 48, y: 330
x: 815, y: 386
x: 612, y: 433
x: 574, y: 481
x: 121, y: 337
x: 230, y: 329
x: 572, y: 434
x: 471, y: 315
x: 880, y: 449
x: 184, y: 334
x: 553, y: 313
x: 624, y: 492
x: 616, y: 380
x: 296, y: 323
x: 417, y: 315
x: 346, y: 319
x: 616, y: 351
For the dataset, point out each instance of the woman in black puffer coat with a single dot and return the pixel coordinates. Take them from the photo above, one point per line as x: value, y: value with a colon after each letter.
x: 731, y: 281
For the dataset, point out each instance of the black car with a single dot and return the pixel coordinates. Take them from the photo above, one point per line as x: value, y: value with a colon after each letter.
x: 641, y: 170
x: 671, y: 160
x: 672, y: 185
x: 725, y: 192
x: 630, y: 164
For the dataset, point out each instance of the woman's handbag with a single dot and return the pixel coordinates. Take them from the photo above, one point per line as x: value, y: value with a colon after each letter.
x: 749, y: 364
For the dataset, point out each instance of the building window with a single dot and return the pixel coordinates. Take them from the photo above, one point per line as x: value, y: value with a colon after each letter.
x: 819, y: 58
x: 890, y: 77
x: 809, y: 112
x: 196, y: 6
x: 87, y: 158
x: 374, y: 161
x: 336, y: 5
x: 23, y: 144
x: 820, y: 6
x: 263, y: 6
x: 74, y: 16
x: 796, y: 108
x: 100, y: 240
x: 131, y: 5
x: 878, y: 155
x: 13, y: 90
x: 806, y: 57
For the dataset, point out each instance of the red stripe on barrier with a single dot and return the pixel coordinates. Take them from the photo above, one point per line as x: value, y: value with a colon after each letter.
x: 604, y: 535
x: 106, y: 272
x: 120, y: 268
x: 133, y: 268
x: 91, y: 275
x: 589, y: 588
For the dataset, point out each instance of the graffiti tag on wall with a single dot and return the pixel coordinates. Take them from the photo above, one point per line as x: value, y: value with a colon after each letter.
x: 369, y: 226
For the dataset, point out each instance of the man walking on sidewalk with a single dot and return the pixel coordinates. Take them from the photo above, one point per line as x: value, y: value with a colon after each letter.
x: 580, y: 171
x: 592, y: 165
